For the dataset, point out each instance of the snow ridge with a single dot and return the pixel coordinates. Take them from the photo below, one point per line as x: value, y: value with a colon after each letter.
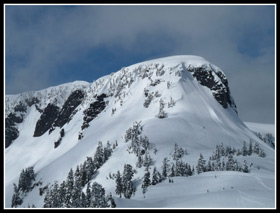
x: 183, y: 100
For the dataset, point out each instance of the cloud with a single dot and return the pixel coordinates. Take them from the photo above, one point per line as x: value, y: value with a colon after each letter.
x: 42, y: 40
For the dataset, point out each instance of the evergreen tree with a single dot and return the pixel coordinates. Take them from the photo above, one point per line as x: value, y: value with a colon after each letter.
x: 161, y: 113
x: 107, y: 151
x: 172, y: 171
x: 262, y: 153
x: 89, y: 169
x: 244, y: 149
x: 250, y: 150
x: 165, y: 167
x: 78, y: 177
x: 77, y: 190
x: 83, y: 173
x: 190, y: 172
x: 22, y: 185
x: 171, y: 103
x: 156, y: 177
x: 111, y: 201
x: 47, y: 200
x: 230, y: 163
x: 209, y: 167
x: 147, y: 160
x: 27, y: 176
x: 145, y: 143
x: 99, y: 156
x: 222, y: 149
x: 62, y: 193
x: 98, y: 196
x: 175, y: 152
x: 218, y: 165
x: 245, y: 167
x: 269, y: 140
x: 223, y: 166
x: 218, y: 153
x: 200, y: 165
x: 54, y: 194
x: 128, y: 188
x: 180, y: 169
x: 69, y: 188
x: 139, y: 162
x: 256, y: 148
x: 119, y: 184
x: 88, y: 195
x: 16, y: 200
x: 192, y: 169
x: 148, y: 100
x: 146, y: 182
x: 83, y: 200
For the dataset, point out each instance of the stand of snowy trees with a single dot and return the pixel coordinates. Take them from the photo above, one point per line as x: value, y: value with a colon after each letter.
x: 223, y: 159
x: 140, y: 145
x: 26, y: 178
x: 267, y: 138
x: 69, y: 194
x: 124, y: 184
x: 77, y: 191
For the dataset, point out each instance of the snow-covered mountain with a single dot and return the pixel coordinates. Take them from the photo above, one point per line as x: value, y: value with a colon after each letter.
x: 144, y: 111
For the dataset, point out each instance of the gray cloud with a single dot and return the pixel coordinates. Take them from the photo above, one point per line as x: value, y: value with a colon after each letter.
x: 238, y: 39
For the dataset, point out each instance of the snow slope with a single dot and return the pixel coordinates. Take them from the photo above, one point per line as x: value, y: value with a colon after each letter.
x: 261, y: 128
x: 197, y: 122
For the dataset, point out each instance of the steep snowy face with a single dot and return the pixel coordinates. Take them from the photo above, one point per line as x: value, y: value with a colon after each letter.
x: 143, y: 110
x: 204, y: 72
x: 47, y: 102
x: 151, y: 78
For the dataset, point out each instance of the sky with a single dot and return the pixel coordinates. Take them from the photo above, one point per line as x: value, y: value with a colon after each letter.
x: 47, y: 45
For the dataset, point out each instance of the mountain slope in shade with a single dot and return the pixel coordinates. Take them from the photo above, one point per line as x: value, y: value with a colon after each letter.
x: 180, y: 99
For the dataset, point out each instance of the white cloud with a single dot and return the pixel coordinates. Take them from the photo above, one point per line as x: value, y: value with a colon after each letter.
x: 46, y: 37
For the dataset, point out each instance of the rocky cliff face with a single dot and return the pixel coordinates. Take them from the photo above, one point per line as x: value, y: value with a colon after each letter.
x: 216, y: 81
x: 59, y: 104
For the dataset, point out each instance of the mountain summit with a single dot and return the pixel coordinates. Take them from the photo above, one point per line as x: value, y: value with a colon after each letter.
x: 163, y: 110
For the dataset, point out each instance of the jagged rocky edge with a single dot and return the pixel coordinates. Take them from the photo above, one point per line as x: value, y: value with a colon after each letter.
x: 107, y: 86
x: 216, y: 81
x: 17, y: 106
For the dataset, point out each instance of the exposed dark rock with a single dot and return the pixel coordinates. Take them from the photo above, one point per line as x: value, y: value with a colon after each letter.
x: 32, y: 101
x: 69, y: 107
x: 11, y: 132
x: 13, y: 118
x: 80, y: 136
x: 58, y: 142
x: 62, y: 133
x: 154, y: 83
x: 51, y: 129
x: 52, y: 117
x: 94, y: 109
x: 219, y: 88
x: 46, y: 120
x: 20, y: 107
x: 38, y: 108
